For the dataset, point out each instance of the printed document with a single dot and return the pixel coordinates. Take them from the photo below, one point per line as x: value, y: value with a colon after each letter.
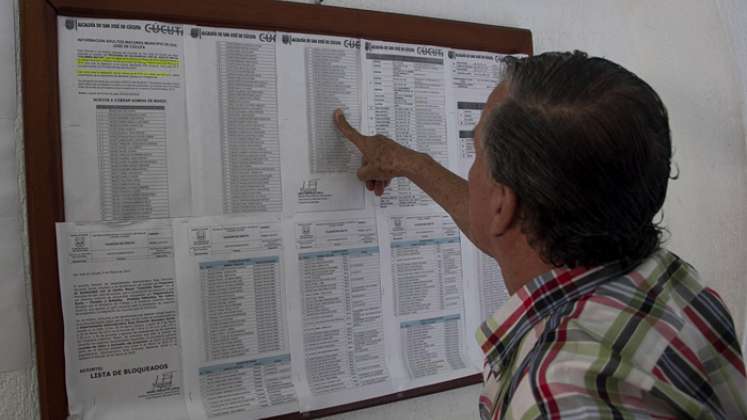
x: 406, y: 101
x: 484, y: 293
x: 234, y: 143
x: 232, y: 298
x: 426, y: 279
x: 122, y: 355
x: 337, y: 306
x: 472, y: 76
x: 316, y: 75
x: 122, y: 115
x: 223, y: 260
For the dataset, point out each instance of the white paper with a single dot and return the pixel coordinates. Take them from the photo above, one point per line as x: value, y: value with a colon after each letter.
x: 122, y: 110
x: 472, y: 77
x: 234, y: 140
x: 337, y: 306
x: 324, y: 295
x: 122, y: 358
x: 485, y: 292
x: 406, y: 101
x: 427, y: 296
x: 316, y: 75
x: 233, y: 313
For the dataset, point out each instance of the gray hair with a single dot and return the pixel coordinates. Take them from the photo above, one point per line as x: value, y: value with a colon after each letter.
x: 585, y: 145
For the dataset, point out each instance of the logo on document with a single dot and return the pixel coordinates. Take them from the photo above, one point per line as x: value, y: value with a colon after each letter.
x: 306, y: 229
x: 201, y: 236
x: 431, y: 51
x: 79, y: 242
x: 71, y: 24
x: 286, y: 39
x: 451, y: 54
x: 267, y: 37
x: 162, y: 28
x: 368, y: 46
x: 310, y: 187
x: 196, y: 33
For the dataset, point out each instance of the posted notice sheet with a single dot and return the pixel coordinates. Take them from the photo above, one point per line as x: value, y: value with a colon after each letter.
x: 122, y: 354
x: 232, y: 294
x: 123, y: 120
x: 338, y: 311
x: 406, y: 101
x: 222, y: 260
x: 234, y: 144
x: 319, y: 74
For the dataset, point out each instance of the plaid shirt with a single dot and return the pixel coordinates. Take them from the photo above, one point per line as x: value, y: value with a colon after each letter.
x: 613, y: 343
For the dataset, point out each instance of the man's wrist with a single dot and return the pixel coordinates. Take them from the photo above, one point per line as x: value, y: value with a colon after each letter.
x: 415, y: 164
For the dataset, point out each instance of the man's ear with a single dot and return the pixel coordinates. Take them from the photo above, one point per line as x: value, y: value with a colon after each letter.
x: 503, y: 205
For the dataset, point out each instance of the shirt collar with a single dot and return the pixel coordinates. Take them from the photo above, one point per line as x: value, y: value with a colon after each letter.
x: 501, y: 333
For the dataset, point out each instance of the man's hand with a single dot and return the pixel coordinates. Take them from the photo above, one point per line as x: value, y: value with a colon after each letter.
x: 383, y: 158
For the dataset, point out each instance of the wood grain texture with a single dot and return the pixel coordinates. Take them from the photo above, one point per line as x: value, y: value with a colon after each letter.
x: 285, y: 16
x: 44, y: 196
x: 44, y: 187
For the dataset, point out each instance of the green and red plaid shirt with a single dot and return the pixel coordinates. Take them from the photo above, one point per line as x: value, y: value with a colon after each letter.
x: 642, y: 341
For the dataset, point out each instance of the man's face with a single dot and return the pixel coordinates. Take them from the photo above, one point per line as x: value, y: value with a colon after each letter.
x: 481, y: 183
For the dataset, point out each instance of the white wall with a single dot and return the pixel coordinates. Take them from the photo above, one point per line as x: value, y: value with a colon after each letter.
x: 18, y: 388
x: 734, y: 15
x: 684, y: 50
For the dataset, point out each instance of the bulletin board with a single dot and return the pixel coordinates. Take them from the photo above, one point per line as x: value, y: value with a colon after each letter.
x: 43, y: 159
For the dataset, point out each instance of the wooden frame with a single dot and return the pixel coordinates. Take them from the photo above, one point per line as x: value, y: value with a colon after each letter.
x: 44, y: 190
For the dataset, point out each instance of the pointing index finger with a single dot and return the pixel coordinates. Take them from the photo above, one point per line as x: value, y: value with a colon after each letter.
x: 349, y: 132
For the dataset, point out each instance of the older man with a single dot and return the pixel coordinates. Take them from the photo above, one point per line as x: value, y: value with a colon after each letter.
x: 572, y: 165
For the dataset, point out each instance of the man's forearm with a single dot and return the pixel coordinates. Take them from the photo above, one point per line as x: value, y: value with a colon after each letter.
x: 443, y: 186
